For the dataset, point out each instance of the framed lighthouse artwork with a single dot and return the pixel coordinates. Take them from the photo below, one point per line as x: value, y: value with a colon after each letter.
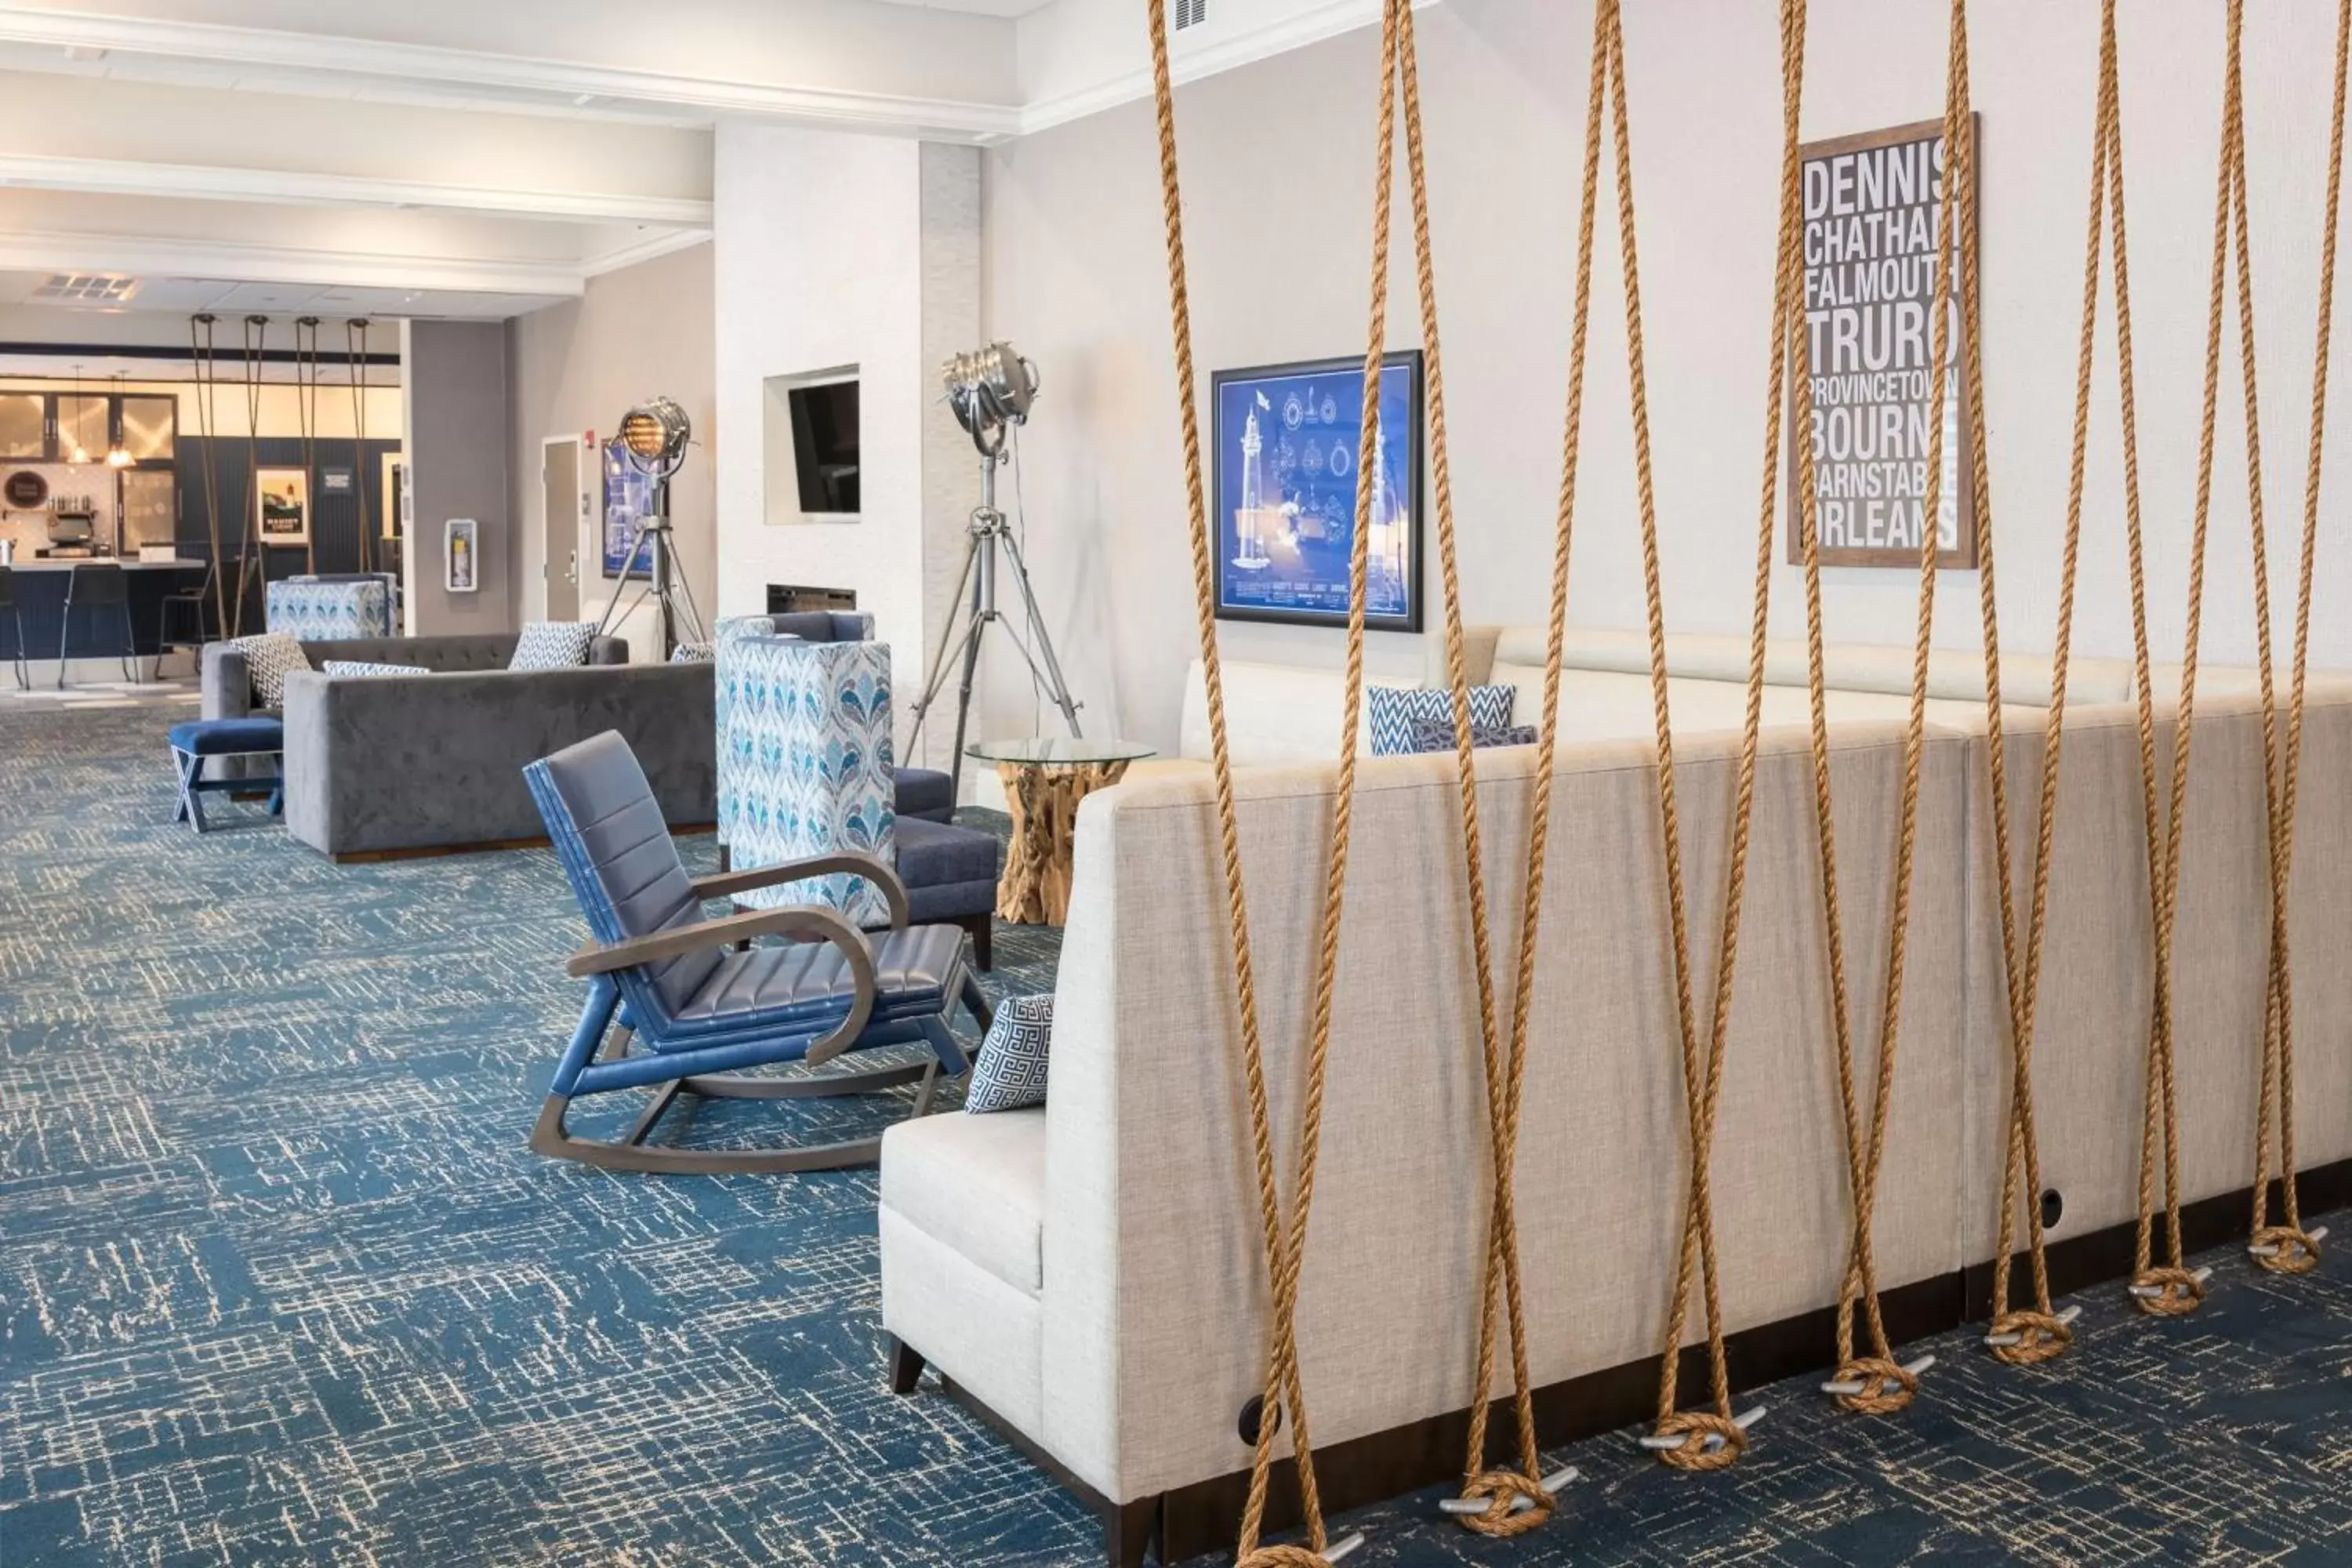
x: 1290, y: 460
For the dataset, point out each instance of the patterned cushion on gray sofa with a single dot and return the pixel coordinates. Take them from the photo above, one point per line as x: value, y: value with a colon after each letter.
x: 552, y: 644
x: 1390, y: 713
x: 693, y: 653
x: 269, y: 659
x: 1434, y: 732
x: 340, y: 667
x: 1010, y: 1071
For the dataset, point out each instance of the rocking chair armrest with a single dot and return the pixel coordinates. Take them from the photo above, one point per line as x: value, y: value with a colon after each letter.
x: 795, y: 919
x: 726, y: 884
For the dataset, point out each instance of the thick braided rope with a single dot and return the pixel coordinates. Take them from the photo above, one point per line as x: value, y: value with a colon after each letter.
x: 200, y: 356
x: 355, y: 344
x: 306, y: 418
x: 2173, y: 1290
x: 1284, y: 1385
x: 1500, y: 1488
x: 2287, y: 1248
x: 1880, y: 1392
x: 2037, y: 1334
x: 250, y: 529
x: 1702, y: 1086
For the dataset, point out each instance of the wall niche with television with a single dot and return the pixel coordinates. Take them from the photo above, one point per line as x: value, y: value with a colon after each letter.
x: 809, y: 441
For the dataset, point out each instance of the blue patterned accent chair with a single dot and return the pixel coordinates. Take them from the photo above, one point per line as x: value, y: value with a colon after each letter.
x: 330, y: 609
x: 804, y: 768
x: 690, y: 1004
x: 926, y: 793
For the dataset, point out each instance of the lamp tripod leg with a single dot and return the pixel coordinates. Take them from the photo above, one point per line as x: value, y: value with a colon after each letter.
x: 936, y: 677
x: 1051, y: 673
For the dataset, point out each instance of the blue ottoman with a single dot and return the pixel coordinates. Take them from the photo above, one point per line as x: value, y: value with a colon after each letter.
x: 949, y: 874
x: 193, y: 740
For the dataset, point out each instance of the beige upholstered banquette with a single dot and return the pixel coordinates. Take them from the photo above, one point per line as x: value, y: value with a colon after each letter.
x: 1091, y: 1270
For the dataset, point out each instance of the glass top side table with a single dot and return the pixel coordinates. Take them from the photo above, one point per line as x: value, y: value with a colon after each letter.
x: 1044, y: 779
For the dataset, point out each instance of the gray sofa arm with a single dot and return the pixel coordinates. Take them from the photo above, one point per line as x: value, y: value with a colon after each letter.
x: 226, y: 682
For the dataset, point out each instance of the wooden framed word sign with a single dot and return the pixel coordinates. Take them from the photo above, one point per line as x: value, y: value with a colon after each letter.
x: 1873, y: 204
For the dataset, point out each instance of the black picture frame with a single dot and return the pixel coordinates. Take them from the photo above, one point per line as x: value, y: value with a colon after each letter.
x: 1308, y: 400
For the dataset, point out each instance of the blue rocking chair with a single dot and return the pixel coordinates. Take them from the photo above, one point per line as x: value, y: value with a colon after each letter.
x: 705, y: 1003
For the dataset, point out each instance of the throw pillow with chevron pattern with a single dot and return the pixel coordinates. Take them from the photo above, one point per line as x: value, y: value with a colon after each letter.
x: 1391, y: 712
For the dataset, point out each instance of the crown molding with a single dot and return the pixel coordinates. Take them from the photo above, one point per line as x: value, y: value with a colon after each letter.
x: 63, y: 252
x: 652, y: 246
x: 1325, y: 21
x: 205, y: 182
x: 432, y: 68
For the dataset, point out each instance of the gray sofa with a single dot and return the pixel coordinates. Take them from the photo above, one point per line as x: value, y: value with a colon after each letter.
x: 228, y: 684
x: 377, y: 765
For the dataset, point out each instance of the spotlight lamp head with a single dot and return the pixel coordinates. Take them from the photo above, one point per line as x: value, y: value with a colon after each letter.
x: 654, y: 434
x: 989, y: 389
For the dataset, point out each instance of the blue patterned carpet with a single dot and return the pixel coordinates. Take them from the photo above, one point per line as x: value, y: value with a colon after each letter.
x: 280, y: 1284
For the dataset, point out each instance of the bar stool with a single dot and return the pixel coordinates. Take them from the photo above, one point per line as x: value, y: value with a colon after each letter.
x: 17, y: 616
x: 96, y: 587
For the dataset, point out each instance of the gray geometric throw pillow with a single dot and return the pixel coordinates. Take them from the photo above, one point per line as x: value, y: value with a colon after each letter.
x: 1010, y: 1071
x: 269, y: 659
x: 552, y: 644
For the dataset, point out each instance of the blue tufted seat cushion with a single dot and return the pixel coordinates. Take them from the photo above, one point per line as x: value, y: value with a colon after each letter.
x: 808, y: 982
x: 926, y: 792
x: 228, y: 737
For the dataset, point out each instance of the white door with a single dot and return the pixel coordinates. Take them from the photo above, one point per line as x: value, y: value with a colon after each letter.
x: 562, y: 511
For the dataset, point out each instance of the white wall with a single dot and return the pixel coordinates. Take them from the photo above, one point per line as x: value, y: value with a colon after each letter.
x: 836, y: 249
x: 456, y: 445
x: 637, y: 332
x: 1277, y: 164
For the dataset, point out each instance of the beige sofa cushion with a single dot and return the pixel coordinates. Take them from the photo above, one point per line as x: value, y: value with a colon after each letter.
x: 1612, y: 705
x: 978, y: 1185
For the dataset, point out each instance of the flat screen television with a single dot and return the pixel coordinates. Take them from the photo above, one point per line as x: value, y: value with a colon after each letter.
x: 824, y: 446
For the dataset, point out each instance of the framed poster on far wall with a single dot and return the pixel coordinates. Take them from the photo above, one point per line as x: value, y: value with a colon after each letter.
x: 1289, y: 463
x: 1872, y: 207
x: 282, y: 505
x: 628, y: 501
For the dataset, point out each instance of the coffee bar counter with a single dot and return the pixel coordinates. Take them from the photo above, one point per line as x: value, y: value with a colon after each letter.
x: 41, y: 583
x: 177, y: 564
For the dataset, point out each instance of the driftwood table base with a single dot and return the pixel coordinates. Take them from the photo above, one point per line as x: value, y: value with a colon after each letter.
x: 1043, y: 802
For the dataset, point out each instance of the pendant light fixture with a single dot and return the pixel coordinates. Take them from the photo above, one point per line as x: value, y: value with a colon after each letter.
x: 80, y: 454
x: 117, y: 456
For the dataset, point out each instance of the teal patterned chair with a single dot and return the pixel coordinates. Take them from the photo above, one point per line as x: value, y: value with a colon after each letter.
x: 804, y: 757
x: 330, y: 609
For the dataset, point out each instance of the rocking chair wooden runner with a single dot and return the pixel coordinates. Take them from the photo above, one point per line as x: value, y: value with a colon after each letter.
x: 704, y: 1003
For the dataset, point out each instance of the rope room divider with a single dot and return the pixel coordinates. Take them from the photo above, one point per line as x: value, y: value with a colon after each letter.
x: 1711, y: 1439
x: 1285, y: 1247
x: 2175, y: 1289
x: 1507, y: 1500
x: 2287, y: 1248
x: 2025, y: 1336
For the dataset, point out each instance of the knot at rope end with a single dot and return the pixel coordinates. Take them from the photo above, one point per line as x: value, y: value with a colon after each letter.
x: 2031, y: 1338
x: 1698, y: 1440
x: 1870, y: 1386
x: 1505, y: 1503
x: 2169, y: 1293
x: 2284, y: 1249
x: 1288, y: 1556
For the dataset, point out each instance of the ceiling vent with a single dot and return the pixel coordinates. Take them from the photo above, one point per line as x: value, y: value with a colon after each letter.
x: 87, y: 288
x: 1190, y: 13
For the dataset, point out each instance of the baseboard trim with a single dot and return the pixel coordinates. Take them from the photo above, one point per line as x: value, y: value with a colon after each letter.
x: 1203, y: 1516
x: 481, y: 847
